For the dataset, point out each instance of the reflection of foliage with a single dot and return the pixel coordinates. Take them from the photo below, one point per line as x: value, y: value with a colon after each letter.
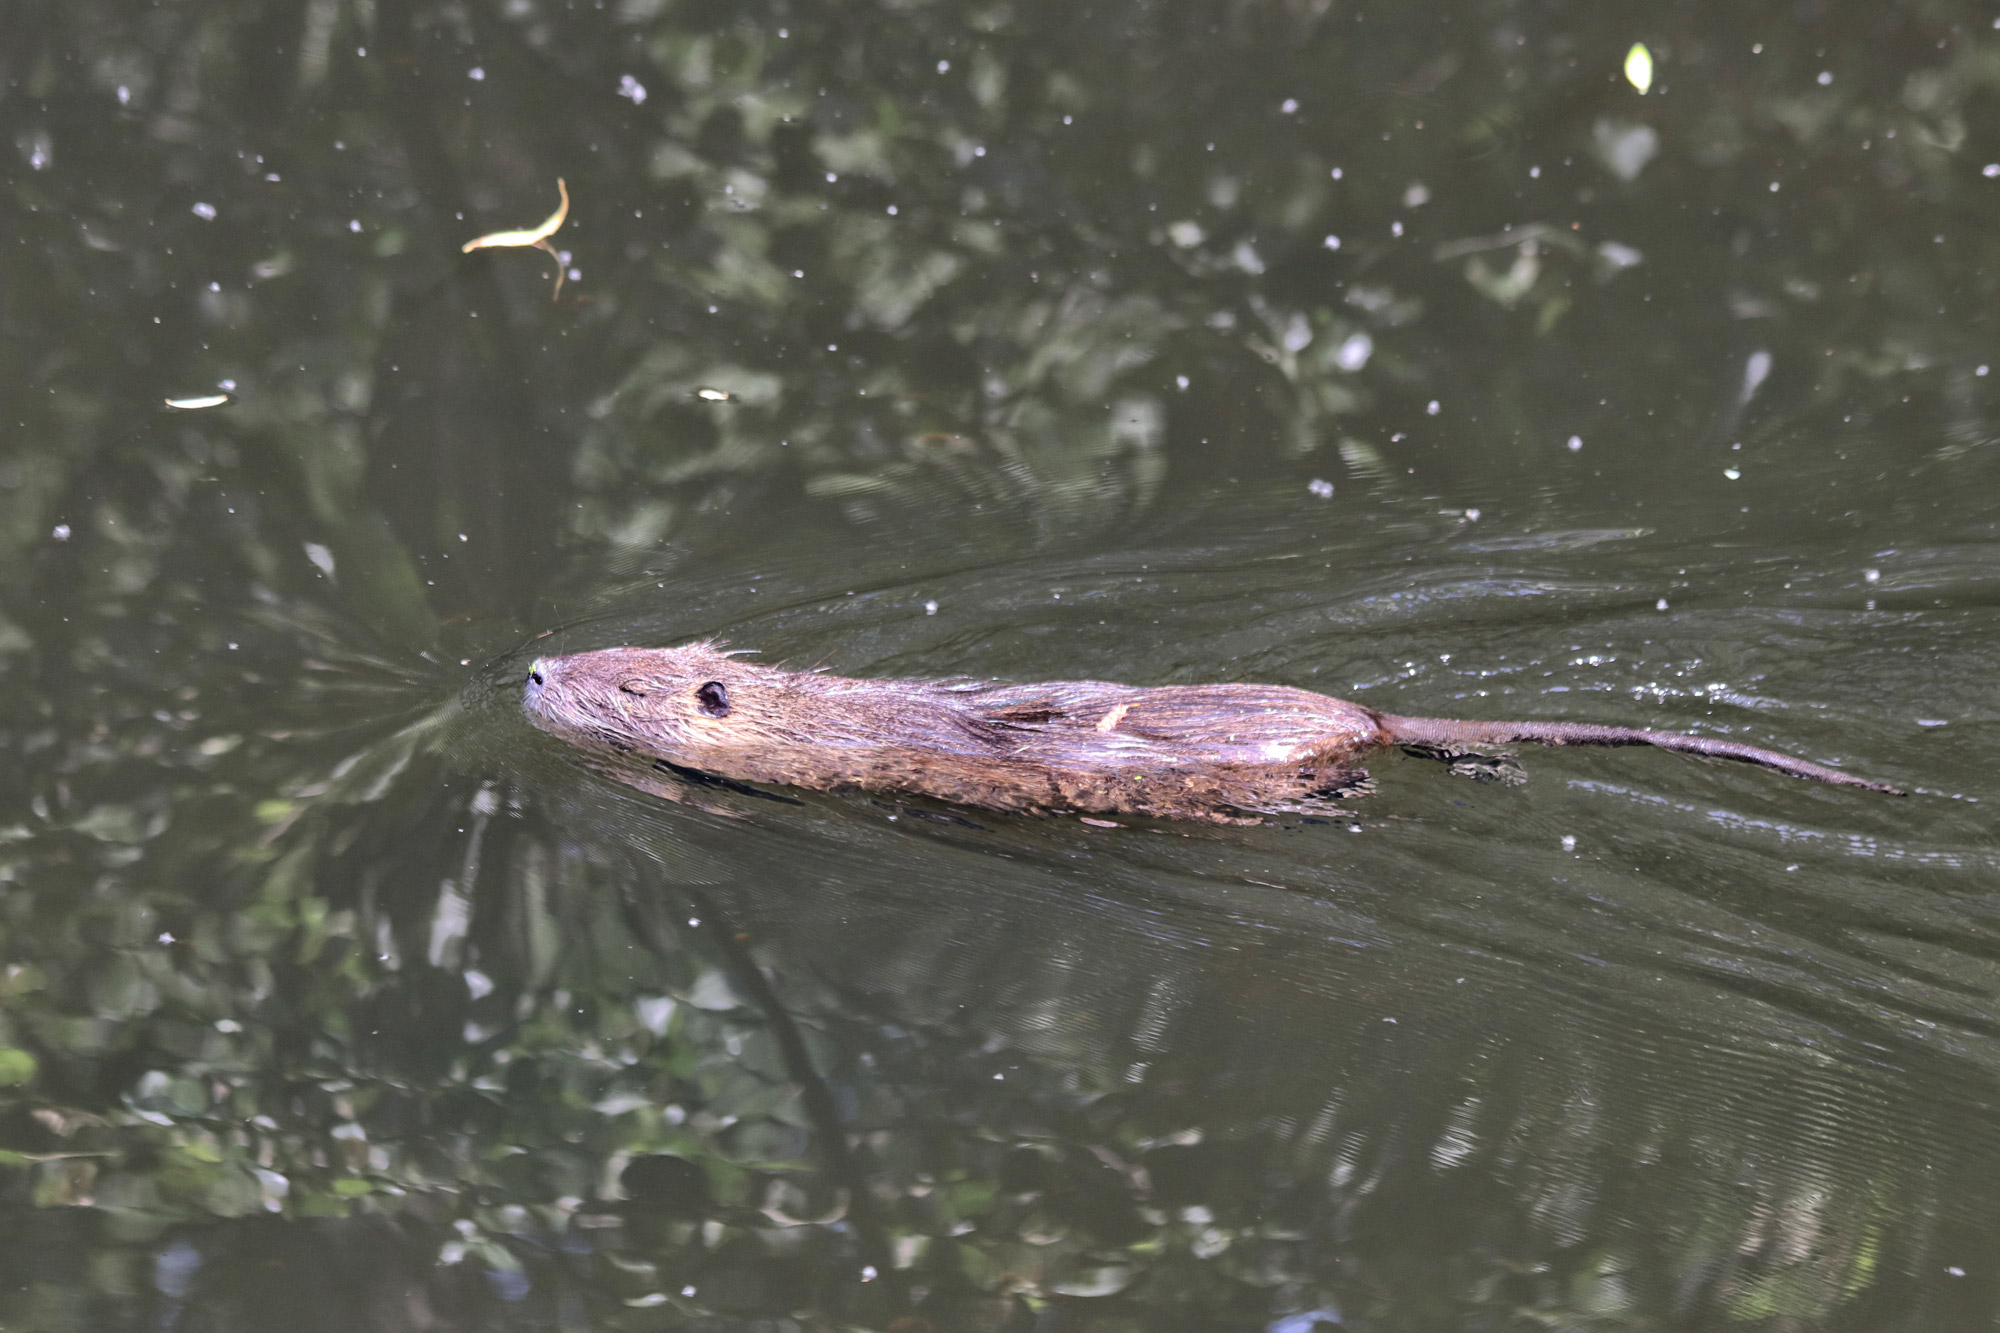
x: 584, y: 1086
x: 274, y: 959
x: 1086, y: 272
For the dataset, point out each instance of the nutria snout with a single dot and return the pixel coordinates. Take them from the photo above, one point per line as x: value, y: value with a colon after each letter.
x: 1222, y: 753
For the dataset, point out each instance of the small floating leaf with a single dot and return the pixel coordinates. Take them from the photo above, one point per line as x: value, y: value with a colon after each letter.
x: 532, y: 236
x: 1639, y: 67
x: 536, y: 238
x: 204, y: 400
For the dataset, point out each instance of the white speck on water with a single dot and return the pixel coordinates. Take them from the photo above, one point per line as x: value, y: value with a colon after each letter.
x: 1417, y: 195
x: 694, y: 921
x: 1932, y: 722
x: 1872, y: 575
x: 1291, y: 106
x: 1181, y: 382
x: 1336, y: 173
x: 1575, y: 443
x: 1354, y: 352
x: 1472, y: 515
x: 1954, y: 1270
x: 1395, y: 228
x: 1982, y: 370
x: 1990, y: 170
x: 354, y: 224
x: 206, y: 212
x: 1660, y: 605
x: 1321, y: 487
x: 1331, y: 242
x: 944, y: 67
x: 61, y: 532
x: 1431, y: 408
x: 1825, y: 77
x: 1731, y: 473
x: 1756, y: 370
x: 930, y: 608
x: 476, y: 74
x: 1569, y: 842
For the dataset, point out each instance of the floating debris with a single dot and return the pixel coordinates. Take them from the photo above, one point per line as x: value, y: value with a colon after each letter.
x: 1639, y: 67
x: 708, y: 395
x: 201, y: 401
x: 534, y: 238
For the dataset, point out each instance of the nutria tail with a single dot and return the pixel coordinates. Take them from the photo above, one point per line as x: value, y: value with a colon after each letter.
x: 1448, y: 734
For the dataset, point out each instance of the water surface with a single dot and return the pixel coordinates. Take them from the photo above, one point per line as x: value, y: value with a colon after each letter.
x: 1407, y: 354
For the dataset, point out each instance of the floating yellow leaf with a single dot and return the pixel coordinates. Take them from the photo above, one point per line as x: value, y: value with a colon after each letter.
x: 535, y: 238
x: 1639, y: 66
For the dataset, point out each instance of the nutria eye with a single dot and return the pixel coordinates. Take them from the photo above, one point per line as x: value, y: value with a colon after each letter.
x: 535, y: 676
x: 714, y: 698
x: 632, y: 687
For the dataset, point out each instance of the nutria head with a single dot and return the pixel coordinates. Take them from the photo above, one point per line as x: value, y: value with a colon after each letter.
x: 665, y: 701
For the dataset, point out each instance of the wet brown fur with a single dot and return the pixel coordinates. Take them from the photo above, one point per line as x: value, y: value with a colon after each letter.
x: 1221, y: 753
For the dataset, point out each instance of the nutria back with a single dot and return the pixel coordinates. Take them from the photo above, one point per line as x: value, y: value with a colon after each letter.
x: 1212, y: 752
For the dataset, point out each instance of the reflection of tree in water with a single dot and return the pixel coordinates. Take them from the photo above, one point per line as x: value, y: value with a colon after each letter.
x: 593, y: 1057
x: 300, y: 996
x: 1074, y: 236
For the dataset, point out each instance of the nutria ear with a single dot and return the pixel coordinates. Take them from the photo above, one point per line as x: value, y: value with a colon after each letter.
x: 714, y: 697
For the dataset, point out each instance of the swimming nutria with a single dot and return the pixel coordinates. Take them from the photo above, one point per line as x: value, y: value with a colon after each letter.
x: 1222, y: 753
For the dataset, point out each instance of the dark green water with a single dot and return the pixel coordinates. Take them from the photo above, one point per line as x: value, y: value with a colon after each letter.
x: 1403, y: 352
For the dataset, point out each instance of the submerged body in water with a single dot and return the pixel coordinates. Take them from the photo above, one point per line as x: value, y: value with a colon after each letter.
x: 1220, y: 753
